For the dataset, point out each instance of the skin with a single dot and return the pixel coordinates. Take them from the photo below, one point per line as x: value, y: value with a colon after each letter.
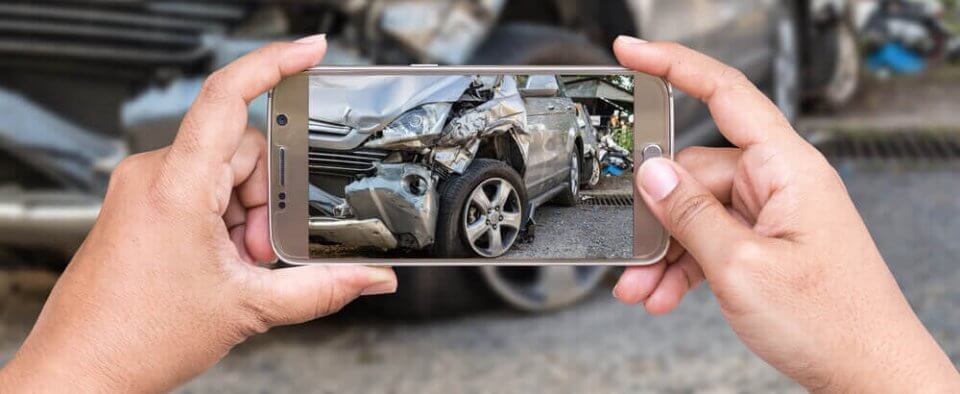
x: 770, y: 226
x: 173, y: 274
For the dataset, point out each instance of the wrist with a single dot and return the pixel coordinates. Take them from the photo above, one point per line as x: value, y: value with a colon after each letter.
x: 32, y: 372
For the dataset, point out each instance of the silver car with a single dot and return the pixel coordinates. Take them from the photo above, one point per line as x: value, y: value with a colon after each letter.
x: 452, y: 163
x: 74, y: 107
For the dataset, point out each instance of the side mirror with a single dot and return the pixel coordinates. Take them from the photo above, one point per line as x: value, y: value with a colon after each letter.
x: 540, y: 86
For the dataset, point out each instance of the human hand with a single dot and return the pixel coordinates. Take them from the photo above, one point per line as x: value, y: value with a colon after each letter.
x: 770, y: 226
x: 171, y: 276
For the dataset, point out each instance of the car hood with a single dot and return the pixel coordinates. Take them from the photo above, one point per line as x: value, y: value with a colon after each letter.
x: 368, y: 103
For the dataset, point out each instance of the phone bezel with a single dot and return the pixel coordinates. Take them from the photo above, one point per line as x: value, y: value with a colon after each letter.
x: 288, y: 230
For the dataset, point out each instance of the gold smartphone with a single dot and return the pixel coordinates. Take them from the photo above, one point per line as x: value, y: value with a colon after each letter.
x: 429, y: 165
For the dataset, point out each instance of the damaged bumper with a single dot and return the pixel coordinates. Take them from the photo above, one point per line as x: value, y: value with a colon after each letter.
x: 350, y: 232
x: 395, y: 208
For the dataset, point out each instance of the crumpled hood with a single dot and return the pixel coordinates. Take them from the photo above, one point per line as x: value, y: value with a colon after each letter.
x: 368, y: 103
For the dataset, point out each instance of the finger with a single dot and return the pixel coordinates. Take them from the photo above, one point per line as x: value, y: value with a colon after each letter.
x: 212, y: 128
x: 743, y: 114
x: 637, y: 283
x: 250, y: 169
x: 257, y: 235
x: 237, y: 236
x: 299, y: 294
x: 714, y: 168
x: 235, y: 214
x: 679, y: 279
x: 674, y: 251
x: 690, y: 213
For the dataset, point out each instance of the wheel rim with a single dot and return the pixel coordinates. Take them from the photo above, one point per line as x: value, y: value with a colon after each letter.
x: 595, y: 173
x: 538, y: 289
x: 846, y: 75
x: 492, y: 217
x: 786, y: 69
x: 574, y: 175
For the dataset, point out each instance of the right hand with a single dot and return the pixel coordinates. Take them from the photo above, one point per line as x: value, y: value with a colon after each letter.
x: 770, y: 226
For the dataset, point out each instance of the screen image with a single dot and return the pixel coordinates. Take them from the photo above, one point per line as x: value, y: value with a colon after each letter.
x: 471, y: 166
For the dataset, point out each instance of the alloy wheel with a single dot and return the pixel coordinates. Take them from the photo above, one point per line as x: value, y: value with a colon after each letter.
x: 538, y: 289
x: 492, y: 217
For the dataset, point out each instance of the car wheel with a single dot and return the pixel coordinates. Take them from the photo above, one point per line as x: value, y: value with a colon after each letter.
x: 543, y: 288
x: 593, y: 179
x: 481, y: 211
x: 571, y: 194
x: 785, y: 78
x: 518, y: 43
x: 844, y: 71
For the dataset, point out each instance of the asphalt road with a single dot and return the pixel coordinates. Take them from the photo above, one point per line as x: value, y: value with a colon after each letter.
x: 598, y: 345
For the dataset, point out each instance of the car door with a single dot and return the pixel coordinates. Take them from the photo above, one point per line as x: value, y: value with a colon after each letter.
x: 550, y: 122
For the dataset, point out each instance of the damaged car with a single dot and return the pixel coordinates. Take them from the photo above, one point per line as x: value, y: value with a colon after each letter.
x: 451, y: 164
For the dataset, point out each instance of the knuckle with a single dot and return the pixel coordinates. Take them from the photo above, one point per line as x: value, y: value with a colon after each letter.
x: 215, y: 87
x: 129, y: 169
x: 732, y: 78
x: 686, y: 210
x: 743, y: 253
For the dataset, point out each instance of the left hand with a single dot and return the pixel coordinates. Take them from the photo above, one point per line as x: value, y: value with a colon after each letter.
x: 171, y: 276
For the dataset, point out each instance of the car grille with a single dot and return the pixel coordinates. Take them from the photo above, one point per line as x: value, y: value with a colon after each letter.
x: 129, y: 33
x: 344, y: 163
x: 328, y: 129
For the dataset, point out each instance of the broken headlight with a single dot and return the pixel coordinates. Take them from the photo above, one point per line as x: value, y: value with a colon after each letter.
x: 415, y: 129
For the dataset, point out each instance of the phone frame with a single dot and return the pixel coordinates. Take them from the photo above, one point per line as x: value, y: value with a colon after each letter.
x: 289, y: 235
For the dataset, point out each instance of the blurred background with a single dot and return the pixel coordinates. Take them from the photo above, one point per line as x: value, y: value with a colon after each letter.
x: 874, y: 84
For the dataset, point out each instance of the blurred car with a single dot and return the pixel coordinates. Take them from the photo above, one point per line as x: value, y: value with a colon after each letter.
x: 86, y: 83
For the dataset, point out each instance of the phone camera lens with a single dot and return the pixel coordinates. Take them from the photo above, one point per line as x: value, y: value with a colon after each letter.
x: 282, y: 120
x: 282, y: 205
x: 283, y: 196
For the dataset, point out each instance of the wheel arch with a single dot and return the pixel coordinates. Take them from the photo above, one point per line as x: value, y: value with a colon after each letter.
x: 503, y: 147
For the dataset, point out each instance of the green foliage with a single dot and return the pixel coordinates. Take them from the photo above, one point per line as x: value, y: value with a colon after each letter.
x: 623, y: 136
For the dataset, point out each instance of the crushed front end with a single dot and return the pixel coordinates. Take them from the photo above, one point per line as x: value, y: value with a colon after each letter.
x: 381, y: 145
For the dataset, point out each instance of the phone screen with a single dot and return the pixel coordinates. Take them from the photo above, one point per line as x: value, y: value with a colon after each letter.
x: 535, y: 166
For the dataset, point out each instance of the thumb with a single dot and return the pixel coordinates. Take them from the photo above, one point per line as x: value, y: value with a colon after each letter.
x: 691, y: 213
x: 300, y: 294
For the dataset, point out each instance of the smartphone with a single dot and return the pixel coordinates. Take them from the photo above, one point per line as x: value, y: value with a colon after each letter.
x: 429, y: 165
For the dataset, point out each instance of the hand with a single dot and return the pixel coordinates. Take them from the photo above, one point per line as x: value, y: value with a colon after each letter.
x: 770, y: 226
x: 170, y: 278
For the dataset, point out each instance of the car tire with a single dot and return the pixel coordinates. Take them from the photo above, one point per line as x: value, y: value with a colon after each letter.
x: 785, y: 76
x: 593, y: 174
x: 837, y: 76
x: 571, y: 194
x: 455, y: 203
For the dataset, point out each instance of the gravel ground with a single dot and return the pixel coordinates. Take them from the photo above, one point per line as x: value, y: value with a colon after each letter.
x: 598, y: 345
x: 561, y: 232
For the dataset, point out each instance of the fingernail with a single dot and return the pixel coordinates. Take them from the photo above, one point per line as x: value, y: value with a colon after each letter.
x: 388, y: 287
x: 630, y: 40
x: 616, y: 291
x: 384, y: 282
x: 312, y: 39
x: 658, y: 178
